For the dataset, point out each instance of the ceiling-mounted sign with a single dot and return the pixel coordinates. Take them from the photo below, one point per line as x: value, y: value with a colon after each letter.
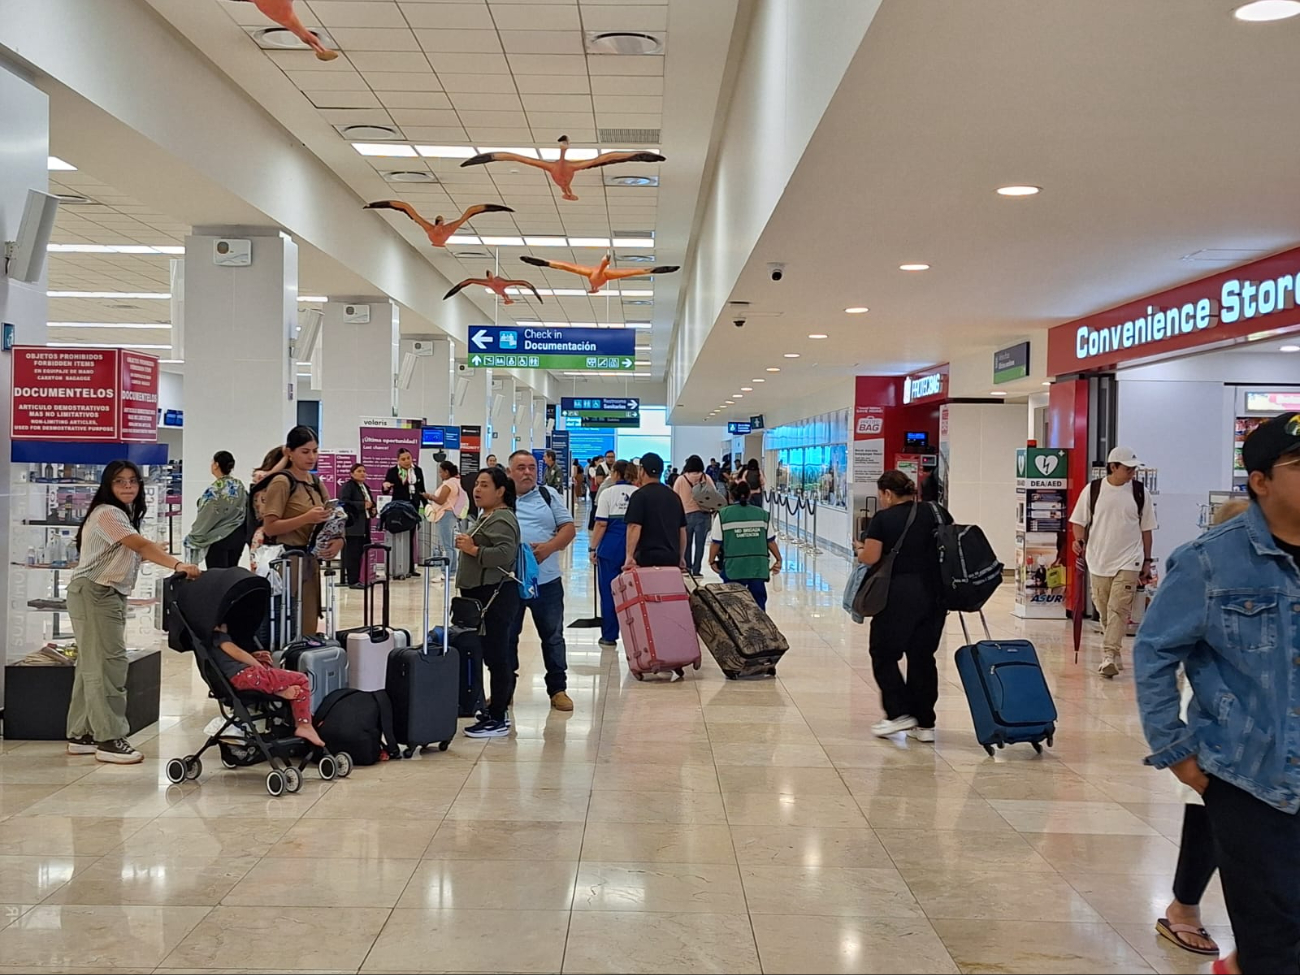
x: 571, y: 349
x: 932, y: 384
x: 602, y: 411
x: 738, y: 428
x: 756, y: 422
x: 84, y: 395
x: 1011, y: 364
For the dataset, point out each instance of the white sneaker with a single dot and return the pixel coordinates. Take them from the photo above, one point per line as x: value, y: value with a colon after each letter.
x: 883, y: 729
x: 1109, y: 667
x: 922, y: 734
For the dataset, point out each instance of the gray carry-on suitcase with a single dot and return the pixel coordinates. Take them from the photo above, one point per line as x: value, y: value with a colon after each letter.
x: 400, y: 565
x: 423, y: 682
x: 324, y: 661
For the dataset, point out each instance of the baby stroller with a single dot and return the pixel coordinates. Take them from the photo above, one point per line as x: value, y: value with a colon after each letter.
x: 256, y: 727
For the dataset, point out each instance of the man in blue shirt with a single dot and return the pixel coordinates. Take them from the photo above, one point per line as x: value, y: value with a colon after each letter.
x: 1228, y: 612
x: 546, y: 525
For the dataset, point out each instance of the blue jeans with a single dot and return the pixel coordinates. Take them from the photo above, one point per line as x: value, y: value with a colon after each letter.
x: 697, y: 539
x: 548, y: 617
x: 757, y: 588
x: 446, y: 528
x: 607, y: 570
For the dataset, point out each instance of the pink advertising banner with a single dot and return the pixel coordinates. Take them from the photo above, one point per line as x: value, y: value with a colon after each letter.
x: 379, y: 447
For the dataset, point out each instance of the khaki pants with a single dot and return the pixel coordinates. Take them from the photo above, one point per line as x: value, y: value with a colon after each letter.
x: 1113, y: 597
x: 98, y: 705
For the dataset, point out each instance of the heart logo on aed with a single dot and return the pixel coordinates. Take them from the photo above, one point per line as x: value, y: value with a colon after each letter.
x: 870, y: 424
x: 1046, y: 463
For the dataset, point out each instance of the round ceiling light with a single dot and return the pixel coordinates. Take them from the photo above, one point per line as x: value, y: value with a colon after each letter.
x: 410, y: 176
x: 623, y: 42
x: 1263, y: 11
x: 818, y: 335
x: 746, y: 389
x: 792, y: 355
x: 371, y: 133
x: 1019, y: 190
x: 281, y: 38
x: 632, y: 181
x: 1290, y: 348
x: 914, y: 267
x: 857, y: 310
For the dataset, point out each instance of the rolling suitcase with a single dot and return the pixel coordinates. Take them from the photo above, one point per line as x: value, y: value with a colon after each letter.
x: 1009, y: 699
x: 742, y: 638
x: 324, y: 662
x: 400, y: 563
x: 654, y: 618
x: 467, y: 643
x: 369, y: 644
x: 423, y: 681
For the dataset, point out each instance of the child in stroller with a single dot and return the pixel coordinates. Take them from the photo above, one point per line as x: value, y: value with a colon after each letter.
x: 266, y: 711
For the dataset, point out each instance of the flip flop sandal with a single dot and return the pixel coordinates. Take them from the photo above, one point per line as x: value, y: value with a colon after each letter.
x: 1173, y: 932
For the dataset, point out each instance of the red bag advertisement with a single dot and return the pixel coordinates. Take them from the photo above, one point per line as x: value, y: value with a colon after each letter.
x: 84, y: 395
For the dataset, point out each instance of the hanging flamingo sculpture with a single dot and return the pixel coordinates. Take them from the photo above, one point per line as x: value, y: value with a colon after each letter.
x: 562, y: 170
x: 494, y: 283
x: 439, y: 230
x: 281, y: 11
x: 597, y: 277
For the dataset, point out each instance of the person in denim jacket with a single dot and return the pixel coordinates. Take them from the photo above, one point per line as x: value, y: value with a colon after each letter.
x: 1229, y: 612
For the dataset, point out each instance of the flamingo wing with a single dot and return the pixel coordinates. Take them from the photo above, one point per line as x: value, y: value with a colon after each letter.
x: 401, y: 207
x: 478, y: 208
x: 558, y: 265
x: 525, y: 284
x: 610, y: 158
x: 465, y: 284
x: 636, y: 272
x: 488, y: 157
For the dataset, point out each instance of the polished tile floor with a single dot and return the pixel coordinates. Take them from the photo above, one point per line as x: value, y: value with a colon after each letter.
x: 691, y: 826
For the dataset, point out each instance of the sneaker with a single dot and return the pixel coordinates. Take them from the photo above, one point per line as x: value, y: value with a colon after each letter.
x: 922, y: 734
x: 81, y: 745
x: 488, y: 728
x: 561, y: 701
x: 482, y: 714
x: 607, y: 644
x: 117, y: 752
x: 892, y: 726
x: 1109, y: 667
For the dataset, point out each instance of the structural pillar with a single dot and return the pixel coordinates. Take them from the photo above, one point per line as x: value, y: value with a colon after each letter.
x: 539, y: 422
x: 427, y: 391
x: 473, y: 408
x: 503, y: 418
x: 358, y: 349
x: 240, y: 370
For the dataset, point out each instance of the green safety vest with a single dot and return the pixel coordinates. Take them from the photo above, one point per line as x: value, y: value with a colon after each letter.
x: 744, y: 541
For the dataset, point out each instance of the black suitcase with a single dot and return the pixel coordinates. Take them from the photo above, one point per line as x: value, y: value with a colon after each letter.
x: 467, y: 643
x: 423, y: 682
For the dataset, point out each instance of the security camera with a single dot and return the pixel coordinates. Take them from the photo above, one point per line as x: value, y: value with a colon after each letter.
x: 776, y: 271
x: 738, y: 322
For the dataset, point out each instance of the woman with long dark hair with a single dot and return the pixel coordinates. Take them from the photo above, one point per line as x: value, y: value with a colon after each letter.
x: 111, y: 548
x: 697, y: 519
x: 488, y: 553
x: 359, y: 503
x: 218, y: 528
x: 753, y: 476
x: 295, y: 503
x: 911, y: 624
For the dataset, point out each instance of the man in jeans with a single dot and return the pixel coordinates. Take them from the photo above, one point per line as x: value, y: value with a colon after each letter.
x: 1115, y: 520
x: 1228, y: 612
x: 546, y: 525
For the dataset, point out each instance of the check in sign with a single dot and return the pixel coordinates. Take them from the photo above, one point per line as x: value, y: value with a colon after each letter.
x: 574, y: 349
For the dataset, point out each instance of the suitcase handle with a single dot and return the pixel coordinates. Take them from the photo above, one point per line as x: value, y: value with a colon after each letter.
x: 427, y: 565
x: 966, y: 633
x: 368, y: 603
x: 290, y: 605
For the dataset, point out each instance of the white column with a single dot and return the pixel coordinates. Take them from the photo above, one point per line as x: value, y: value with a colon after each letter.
x: 239, y: 366
x: 523, y: 438
x: 473, y: 401
x: 428, y: 394
x: 539, y: 422
x: 503, y: 418
x: 359, y: 342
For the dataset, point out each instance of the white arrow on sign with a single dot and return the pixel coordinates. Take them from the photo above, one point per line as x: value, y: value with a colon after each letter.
x: 627, y: 363
x: 476, y: 361
x: 481, y: 339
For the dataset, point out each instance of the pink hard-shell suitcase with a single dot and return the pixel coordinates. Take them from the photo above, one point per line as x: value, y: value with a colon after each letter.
x: 654, y: 619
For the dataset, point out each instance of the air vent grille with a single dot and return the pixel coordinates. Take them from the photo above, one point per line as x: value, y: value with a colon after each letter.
x: 628, y: 137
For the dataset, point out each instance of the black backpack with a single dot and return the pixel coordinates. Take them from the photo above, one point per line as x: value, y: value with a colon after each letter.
x: 359, y: 723
x: 398, y: 517
x: 969, y: 570
x: 253, y: 518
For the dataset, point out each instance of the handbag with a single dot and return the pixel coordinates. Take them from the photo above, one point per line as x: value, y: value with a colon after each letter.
x: 856, y: 577
x: 873, y: 595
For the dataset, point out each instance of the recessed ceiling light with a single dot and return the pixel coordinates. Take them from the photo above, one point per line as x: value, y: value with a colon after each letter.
x: 738, y: 395
x: 373, y: 133
x: 145, y: 325
x: 914, y: 267
x: 410, y: 176
x: 106, y: 345
x: 115, y: 249
x: 634, y: 241
x: 1019, y: 190
x: 503, y: 241
x: 528, y: 151
x: 747, y: 389
x: 1262, y: 11
x: 758, y: 380
x: 588, y: 241
x: 383, y: 149
x: 1290, y: 348
x: 1047, y: 384
x: 447, y: 152
x: 547, y: 241
x: 792, y: 355
x: 625, y: 42
x: 313, y: 299
x: 773, y: 368
x: 818, y: 335
x: 108, y: 294
x: 729, y: 402
x: 997, y: 392
x: 55, y: 164
x: 857, y: 310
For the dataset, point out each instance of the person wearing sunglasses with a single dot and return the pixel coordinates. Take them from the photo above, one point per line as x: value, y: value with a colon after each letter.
x: 112, y: 549
x: 1228, y: 611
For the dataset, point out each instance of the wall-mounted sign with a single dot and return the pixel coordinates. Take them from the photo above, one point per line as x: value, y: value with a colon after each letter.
x: 1275, y: 401
x: 84, y: 395
x: 173, y: 418
x: 738, y: 428
x: 602, y: 411
x: 1011, y: 364
x: 572, y: 349
x: 929, y: 385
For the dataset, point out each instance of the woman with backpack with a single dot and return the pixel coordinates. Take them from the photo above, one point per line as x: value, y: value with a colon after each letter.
x: 754, y: 479
x: 911, y: 624
x: 698, y: 517
x: 489, y: 554
x: 294, y: 502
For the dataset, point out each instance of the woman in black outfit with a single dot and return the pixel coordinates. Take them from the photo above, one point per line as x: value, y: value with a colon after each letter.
x: 357, y: 501
x: 911, y: 625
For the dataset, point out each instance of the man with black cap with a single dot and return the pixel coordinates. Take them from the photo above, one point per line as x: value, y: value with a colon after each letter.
x: 656, y: 520
x: 1228, y: 612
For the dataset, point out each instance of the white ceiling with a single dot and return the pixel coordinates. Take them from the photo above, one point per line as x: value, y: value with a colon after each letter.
x: 1156, y: 130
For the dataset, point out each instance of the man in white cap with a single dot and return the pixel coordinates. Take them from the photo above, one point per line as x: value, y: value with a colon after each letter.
x: 1115, y: 521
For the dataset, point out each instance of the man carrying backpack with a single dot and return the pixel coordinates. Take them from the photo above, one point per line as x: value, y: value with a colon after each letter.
x: 546, y: 525
x: 1115, y: 521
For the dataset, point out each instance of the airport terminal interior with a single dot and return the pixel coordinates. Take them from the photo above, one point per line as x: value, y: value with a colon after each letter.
x: 346, y: 340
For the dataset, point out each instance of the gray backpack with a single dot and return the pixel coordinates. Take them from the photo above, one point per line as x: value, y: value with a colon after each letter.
x: 708, y: 497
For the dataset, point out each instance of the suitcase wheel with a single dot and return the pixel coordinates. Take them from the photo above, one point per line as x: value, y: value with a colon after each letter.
x: 639, y: 676
x: 696, y: 665
x: 443, y: 745
x: 733, y: 677
x: 1038, y: 748
x: 989, y: 749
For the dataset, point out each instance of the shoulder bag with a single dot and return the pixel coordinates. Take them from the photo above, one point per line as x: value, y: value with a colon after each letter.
x: 873, y: 595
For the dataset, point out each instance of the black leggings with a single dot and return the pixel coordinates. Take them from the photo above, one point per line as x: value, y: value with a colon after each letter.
x: 225, y: 554
x: 498, y: 622
x: 352, y: 551
x: 1196, y: 862
x: 911, y: 626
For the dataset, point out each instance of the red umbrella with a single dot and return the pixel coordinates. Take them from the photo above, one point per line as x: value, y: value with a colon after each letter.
x: 1080, y: 600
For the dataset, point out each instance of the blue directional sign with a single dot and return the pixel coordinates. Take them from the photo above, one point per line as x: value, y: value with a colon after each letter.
x: 538, y: 347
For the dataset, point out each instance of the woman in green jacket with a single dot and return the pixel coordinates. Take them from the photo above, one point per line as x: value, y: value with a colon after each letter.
x: 488, y: 556
x: 218, y: 529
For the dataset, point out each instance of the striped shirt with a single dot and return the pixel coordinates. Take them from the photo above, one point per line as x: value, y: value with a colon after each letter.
x: 104, y: 560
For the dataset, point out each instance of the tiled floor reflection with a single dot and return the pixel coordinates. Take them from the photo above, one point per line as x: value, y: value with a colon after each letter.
x: 692, y: 826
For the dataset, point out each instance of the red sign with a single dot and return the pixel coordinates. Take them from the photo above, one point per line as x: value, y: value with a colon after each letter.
x: 84, y: 395
x: 926, y: 386
x: 1256, y: 300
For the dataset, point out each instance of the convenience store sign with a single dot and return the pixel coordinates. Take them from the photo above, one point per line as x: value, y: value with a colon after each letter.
x: 84, y: 395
